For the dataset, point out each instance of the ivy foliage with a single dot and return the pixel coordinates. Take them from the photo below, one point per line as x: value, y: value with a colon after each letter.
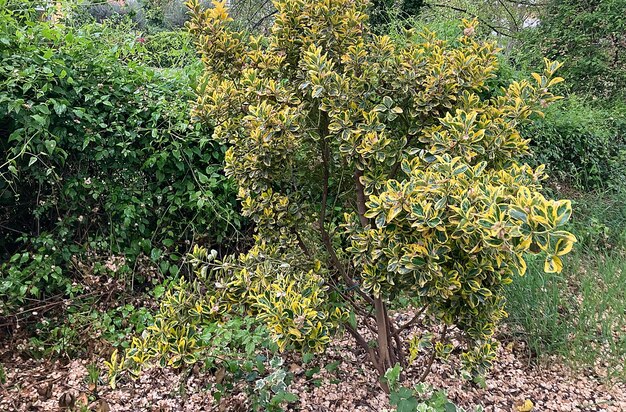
x: 373, y: 169
x: 97, y: 157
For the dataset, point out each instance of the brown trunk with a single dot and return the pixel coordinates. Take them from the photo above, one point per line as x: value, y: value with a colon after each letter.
x: 386, y: 353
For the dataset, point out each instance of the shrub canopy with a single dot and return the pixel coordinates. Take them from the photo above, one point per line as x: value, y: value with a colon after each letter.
x: 374, y: 170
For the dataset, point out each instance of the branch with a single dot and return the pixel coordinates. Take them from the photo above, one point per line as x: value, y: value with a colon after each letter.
x: 360, y: 198
x: 411, y: 322
x: 258, y: 23
x: 370, y: 351
x: 513, y: 19
x: 527, y: 3
x: 301, y: 243
x: 432, y: 356
x: 387, y: 357
x: 394, y: 336
x: 447, y: 6
x: 334, y: 259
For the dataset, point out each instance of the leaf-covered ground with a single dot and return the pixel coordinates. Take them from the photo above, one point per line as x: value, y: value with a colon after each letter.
x: 344, y: 383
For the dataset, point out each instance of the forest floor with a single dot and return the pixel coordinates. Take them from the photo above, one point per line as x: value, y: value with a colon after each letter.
x: 514, y: 380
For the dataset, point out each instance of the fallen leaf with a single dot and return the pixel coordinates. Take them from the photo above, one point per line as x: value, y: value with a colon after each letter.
x: 103, y: 406
x: 295, y: 368
x: 45, y: 392
x: 82, y: 400
x: 526, y: 406
x: 67, y: 400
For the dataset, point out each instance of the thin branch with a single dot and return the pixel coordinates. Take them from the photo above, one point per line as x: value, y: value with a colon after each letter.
x: 492, y: 27
x: 524, y: 3
x: 510, y: 13
x: 433, y: 356
x: 258, y: 23
x: 370, y: 351
x: 301, y: 243
x: 323, y: 128
x: 360, y: 198
x: 12, y: 230
x: 411, y: 322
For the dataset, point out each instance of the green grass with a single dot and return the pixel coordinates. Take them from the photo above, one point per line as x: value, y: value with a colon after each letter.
x: 579, y: 314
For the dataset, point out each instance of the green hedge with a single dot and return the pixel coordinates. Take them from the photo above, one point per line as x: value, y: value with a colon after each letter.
x: 168, y: 49
x: 582, y: 145
x: 98, y: 158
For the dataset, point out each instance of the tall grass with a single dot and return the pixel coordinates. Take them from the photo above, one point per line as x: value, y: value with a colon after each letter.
x: 581, y: 313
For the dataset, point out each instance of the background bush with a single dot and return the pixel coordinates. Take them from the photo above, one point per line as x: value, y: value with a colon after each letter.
x: 97, y: 157
x: 168, y: 49
x: 581, y: 144
x: 589, y: 37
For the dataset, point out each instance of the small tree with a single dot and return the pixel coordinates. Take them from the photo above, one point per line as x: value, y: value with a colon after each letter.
x: 375, y: 169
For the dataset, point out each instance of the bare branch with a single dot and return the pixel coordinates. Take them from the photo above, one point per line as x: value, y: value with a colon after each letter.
x: 492, y: 27
x: 411, y: 322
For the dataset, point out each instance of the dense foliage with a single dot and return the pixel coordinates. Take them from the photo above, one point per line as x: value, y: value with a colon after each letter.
x: 584, y: 146
x: 99, y: 158
x: 386, y: 177
x: 589, y: 36
x: 385, y: 12
x: 373, y: 170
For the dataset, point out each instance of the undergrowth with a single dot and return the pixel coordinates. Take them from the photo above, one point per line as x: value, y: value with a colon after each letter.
x: 580, y: 314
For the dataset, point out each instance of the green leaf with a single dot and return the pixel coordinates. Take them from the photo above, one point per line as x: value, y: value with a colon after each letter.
x: 155, y: 254
x: 408, y: 405
x: 331, y: 367
x: 39, y: 119
x: 50, y: 145
x: 158, y: 291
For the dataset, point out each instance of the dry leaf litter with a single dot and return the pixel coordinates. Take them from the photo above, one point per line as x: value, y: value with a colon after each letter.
x: 513, y: 382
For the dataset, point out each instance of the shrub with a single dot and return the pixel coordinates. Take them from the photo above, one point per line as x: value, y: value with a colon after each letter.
x: 169, y: 49
x: 582, y: 145
x: 166, y: 14
x: 98, y: 157
x: 373, y: 171
x: 385, y: 12
x: 588, y: 35
x: 116, y: 11
x: 182, y: 335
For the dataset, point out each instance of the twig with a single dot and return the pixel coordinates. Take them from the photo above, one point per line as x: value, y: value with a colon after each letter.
x: 411, y: 322
x: 432, y: 356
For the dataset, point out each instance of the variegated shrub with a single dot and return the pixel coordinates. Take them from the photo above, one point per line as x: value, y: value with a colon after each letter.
x: 374, y: 169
